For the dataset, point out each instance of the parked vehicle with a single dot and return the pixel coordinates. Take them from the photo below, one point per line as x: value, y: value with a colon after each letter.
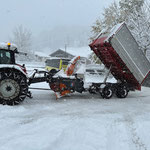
x: 56, y: 63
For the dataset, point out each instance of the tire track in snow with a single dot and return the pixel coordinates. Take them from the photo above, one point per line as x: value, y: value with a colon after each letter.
x: 136, y: 140
x: 68, y: 133
x: 79, y: 134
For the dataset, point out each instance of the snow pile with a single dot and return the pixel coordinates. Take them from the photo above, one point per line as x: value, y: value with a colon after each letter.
x: 81, y: 69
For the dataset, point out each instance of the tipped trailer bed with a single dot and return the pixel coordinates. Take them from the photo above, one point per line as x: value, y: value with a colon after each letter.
x: 119, y: 52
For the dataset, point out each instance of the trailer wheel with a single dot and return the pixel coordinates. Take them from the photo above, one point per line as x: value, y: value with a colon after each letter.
x: 107, y: 92
x: 122, y: 91
x: 92, y: 89
x: 13, y: 87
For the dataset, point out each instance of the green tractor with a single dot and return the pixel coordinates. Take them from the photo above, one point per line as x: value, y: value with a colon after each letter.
x: 13, y: 77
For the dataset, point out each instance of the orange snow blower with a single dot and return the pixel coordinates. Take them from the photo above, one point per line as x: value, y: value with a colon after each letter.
x: 64, y: 83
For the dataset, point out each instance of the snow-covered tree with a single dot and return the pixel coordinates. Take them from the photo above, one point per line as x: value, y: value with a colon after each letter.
x: 140, y: 25
x: 111, y: 17
x: 96, y: 28
x: 128, y: 7
x: 136, y: 13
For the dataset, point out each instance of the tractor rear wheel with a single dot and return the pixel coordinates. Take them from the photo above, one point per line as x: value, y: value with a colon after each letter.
x: 13, y: 87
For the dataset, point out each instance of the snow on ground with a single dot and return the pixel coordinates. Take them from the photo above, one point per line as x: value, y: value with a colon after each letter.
x: 76, y: 122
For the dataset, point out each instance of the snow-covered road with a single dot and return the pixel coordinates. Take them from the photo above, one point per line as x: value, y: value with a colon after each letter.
x: 77, y: 122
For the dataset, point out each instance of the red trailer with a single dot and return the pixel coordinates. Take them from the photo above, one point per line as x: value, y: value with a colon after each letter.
x: 120, y: 53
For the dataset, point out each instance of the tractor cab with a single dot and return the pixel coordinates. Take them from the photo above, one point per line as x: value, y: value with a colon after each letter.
x: 7, y: 53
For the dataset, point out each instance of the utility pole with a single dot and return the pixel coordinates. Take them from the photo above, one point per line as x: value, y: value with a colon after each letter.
x: 65, y: 50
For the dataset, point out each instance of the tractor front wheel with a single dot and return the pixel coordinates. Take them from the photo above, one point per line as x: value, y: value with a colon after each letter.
x: 13, y: 87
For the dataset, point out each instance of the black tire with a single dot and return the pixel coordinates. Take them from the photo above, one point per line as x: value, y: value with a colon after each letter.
x: 92, y: 89
x: 122, y: 91
x: 52, y: 72
x: 13, y: 87
x: 107, y: 92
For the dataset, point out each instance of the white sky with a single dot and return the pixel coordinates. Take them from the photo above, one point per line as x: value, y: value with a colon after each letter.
x: 39, y: 15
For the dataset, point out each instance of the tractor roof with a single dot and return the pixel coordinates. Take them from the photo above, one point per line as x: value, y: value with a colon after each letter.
x: 8, y: 46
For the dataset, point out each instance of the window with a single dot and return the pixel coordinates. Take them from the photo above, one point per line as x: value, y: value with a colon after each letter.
x: 5, y: 57
x: 53, y: 63
x: 65, y: 62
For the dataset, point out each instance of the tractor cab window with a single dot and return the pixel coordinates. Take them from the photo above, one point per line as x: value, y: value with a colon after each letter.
x: 5, y: 57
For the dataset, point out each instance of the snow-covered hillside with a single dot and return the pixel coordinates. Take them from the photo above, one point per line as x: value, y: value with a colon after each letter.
x: 76, y: 122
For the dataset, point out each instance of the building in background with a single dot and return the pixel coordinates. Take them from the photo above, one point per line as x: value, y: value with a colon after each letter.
x: 61, y: 54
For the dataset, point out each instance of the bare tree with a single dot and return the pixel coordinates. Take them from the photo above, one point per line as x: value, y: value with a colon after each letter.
x: 22, y: 38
